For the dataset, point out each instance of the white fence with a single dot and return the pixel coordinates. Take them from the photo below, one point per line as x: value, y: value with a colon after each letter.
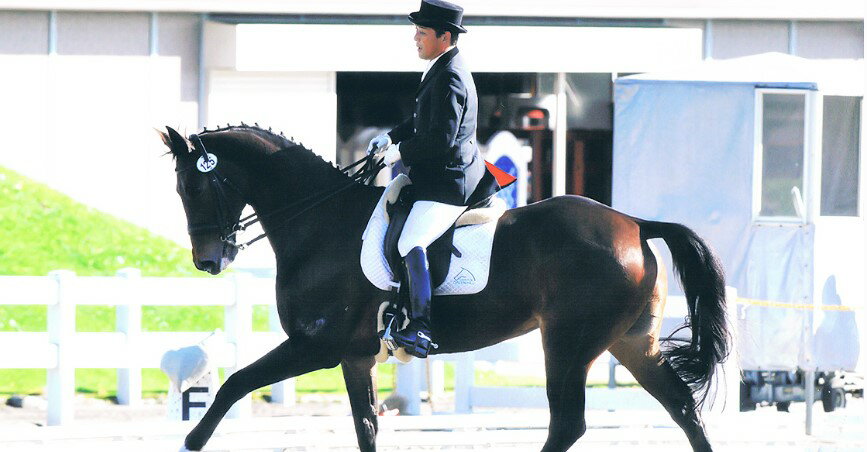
x: 128, y: 349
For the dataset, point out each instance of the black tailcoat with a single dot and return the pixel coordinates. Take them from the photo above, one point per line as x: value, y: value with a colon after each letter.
x: 438, y: 143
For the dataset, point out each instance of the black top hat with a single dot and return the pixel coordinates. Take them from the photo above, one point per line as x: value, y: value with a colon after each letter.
x: 439, y: 14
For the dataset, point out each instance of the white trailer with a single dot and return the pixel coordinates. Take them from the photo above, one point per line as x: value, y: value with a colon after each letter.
x: 762, y: 156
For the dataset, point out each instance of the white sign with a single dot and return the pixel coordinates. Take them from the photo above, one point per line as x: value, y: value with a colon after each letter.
x: 207, y: 166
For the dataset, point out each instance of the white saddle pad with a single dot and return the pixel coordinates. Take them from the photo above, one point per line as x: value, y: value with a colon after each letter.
x: 468, y: 274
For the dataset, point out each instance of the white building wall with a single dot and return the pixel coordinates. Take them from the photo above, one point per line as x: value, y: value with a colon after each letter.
x: 732, y: 39
x: 830, y: 40
x: 178, y: 36
x: 23, y: 32
x: 92, y: 33
x: 84, y: 117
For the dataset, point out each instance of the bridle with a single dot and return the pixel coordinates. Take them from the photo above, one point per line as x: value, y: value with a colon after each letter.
x: 228, y: 229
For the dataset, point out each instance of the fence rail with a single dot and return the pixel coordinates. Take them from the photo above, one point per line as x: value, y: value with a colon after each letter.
x: 128, y: 349
x: 61, y: 349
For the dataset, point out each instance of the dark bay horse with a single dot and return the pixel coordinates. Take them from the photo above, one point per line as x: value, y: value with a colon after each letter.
x: 581, y: 272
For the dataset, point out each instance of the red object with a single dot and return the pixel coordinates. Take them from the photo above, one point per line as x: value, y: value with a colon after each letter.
x: 536, y: 114
x: 504, y: 179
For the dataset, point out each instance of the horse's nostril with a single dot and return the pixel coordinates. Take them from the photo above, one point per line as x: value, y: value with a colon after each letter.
x: 208, y: 266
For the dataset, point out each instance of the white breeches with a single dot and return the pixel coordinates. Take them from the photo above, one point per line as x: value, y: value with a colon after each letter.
x: 427, y: 221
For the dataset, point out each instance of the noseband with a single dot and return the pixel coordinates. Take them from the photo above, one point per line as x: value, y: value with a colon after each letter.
x: 207, y: 164
x: 228, y: 229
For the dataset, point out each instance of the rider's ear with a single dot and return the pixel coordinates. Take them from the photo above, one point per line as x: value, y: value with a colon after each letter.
x: 175, y: 141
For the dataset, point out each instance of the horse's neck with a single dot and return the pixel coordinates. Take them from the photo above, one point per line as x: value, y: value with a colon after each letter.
x: 332, y: 212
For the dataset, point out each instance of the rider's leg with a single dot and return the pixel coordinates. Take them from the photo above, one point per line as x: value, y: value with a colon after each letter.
x: 426, y: 222
x: 416, y: 337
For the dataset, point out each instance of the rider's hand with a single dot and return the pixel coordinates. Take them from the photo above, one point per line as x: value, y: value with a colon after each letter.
x: 391, y: 154
x: 379, y: 143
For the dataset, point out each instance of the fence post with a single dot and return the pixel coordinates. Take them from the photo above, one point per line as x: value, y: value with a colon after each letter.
x: 239, y: 327
x: 282, y: 393
x: 128, y: 321
x: 465, y: 369
x: 409, y: 377
x: 61, y: 331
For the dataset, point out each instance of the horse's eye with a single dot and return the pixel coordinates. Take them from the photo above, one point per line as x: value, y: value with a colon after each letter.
x: 191, y: 188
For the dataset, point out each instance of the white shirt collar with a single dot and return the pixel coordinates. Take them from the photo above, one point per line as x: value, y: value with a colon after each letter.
x: 431, y: 62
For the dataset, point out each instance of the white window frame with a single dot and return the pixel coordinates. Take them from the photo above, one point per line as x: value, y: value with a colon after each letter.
x: 810, y: 103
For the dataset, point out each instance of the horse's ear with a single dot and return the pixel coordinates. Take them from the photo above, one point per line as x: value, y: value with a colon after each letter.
x: 175, y: 141
x: 165, y: 137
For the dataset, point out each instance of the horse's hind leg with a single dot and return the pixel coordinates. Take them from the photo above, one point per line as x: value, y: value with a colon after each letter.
x: 285, y: 361
x: 361, y: 386
x: 566, y: 375
x: 641, y: 355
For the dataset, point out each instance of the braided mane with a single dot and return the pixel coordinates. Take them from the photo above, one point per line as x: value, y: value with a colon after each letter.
x: 280, y: 143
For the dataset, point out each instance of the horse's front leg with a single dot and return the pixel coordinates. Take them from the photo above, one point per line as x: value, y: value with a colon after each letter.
x: 287, y: 360
x: 360, y: 377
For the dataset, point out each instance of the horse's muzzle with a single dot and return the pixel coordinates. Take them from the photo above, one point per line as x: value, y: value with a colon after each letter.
x: 214, y: 258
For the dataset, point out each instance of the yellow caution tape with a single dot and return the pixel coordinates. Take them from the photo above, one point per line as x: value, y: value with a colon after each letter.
x: 778, y: 304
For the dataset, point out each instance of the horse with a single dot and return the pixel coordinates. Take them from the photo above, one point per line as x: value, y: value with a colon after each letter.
x: 581, y: 272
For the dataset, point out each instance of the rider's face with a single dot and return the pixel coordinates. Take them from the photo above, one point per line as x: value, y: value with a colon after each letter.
x: 428, y: 44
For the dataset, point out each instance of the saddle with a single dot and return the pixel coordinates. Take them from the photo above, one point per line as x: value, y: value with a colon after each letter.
x: 459, y: 260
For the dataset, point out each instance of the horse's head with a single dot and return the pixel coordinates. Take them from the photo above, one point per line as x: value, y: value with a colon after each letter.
x: 211, y: 188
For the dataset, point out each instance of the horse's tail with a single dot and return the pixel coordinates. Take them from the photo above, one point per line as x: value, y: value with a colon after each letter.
x: 703, y: 281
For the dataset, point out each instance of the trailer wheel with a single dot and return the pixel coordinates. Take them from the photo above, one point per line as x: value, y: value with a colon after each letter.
x: 832, y: 398
x: 783, y: 406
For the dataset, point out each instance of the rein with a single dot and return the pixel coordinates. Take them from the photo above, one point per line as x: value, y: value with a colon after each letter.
x: 228, y: 231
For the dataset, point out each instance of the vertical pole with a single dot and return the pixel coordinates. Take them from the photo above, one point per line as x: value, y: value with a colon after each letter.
x: 153, y: 42
x: 464, y: 380
x: 732, y: 368
x: 612, y: 372
x: 409, y: 385
x: 61, y: 332
x: 436, y: 379
x: 202, y: 95
x: 558, y: 170
x: 809, y: 399
x: 708, y: 39
x: 282, y: 393
x: 128, y: 321
x: 52, y: 32
x: 239, y: 320
x: 793, y: 37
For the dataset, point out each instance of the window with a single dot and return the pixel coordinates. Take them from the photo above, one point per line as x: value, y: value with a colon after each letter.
x: 782, y: 122
x: 841, y: 137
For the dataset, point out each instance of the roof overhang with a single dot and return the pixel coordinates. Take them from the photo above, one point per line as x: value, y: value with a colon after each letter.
x: 768, y: 70
x: 666, y: 9
x: 304, y: 47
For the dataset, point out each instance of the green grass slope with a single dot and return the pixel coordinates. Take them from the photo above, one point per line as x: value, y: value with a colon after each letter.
x: 44, y: 230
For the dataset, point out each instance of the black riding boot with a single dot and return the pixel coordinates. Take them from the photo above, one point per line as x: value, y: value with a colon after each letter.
x: 416, y: 337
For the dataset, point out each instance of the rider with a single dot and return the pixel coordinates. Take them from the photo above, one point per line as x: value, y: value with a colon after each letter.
x: 438, y: 144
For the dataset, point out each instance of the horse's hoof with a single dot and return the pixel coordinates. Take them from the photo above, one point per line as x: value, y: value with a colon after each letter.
x: 189, y: 447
